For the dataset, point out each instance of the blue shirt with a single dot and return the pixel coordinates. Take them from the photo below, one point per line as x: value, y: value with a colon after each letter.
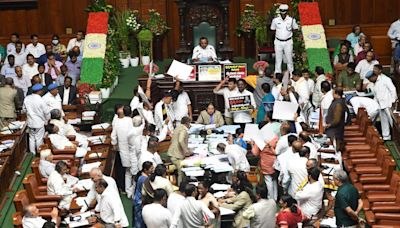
x: 43, y: 58
x: 74, y: 69
x: 353, y: 38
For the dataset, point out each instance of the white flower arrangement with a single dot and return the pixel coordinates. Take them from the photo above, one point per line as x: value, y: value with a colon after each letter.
x: 132, y: 23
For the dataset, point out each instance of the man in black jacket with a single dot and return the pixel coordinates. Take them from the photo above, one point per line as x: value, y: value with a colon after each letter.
x: 67, y: 92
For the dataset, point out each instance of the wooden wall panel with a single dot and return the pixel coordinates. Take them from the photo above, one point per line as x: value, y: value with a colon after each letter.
x: 53, y: 16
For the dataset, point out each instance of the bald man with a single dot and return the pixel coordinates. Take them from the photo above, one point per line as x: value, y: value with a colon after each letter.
x: 296, y: 168
x: 93, y: 197
x: 32, y: 219
x: 21, y: 81
x: 313, y: 163
x: 304, y: 136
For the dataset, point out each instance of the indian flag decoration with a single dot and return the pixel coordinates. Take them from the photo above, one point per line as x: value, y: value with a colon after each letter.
x: 314, y: 36
x: 95, y: 48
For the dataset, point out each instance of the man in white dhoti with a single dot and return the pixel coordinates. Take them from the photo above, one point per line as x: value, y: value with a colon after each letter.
x: 37, y: 115
x: 56, y: 185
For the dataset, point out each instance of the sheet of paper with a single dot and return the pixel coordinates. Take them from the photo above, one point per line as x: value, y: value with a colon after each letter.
x: 219, y: 194
x: 284, y: 110
x: 220, y: 187
x: 226, y: 211
x: 84, y: 184
x: 250, y: 132
x: 87, y: 167
x: 229, y: 128
x: 180, y: 70
x: 195, y: 173
x: 100, y: 126
x: 210, y: 126
x: 267, y: 133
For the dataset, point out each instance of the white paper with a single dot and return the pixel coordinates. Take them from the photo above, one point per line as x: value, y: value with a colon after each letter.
x: 259, y: 142
x: 87, y: 167
x: 180, y: 70
x: 284, y: 110
x: 267, y: 133
x: 220, y: 187
x: 229, y: 128
x: 84, y: 184
x: 250, y: 132
x: 219, y: 194
x: 226, y: 211
x: 100, y: 126
x: 195, y: 173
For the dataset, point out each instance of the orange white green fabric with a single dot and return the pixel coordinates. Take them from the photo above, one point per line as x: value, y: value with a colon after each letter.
x: 314, y: 36
x: 95, y: 48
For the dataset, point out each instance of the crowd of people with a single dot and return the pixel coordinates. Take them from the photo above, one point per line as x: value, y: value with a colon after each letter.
x: 38, y: 79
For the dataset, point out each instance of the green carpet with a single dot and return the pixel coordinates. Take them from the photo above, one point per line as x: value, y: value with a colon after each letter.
x: 128, y: 80
x: 9, y: 209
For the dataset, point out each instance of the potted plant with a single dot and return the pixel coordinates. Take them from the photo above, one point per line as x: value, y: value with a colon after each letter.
x: 158, y: 27
x: 122, y: 34
x: 134, y: 26
x: 145, y: 38
x: 247, y: 26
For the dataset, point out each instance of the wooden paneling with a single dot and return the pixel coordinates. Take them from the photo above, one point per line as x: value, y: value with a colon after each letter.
x: 53, y: 16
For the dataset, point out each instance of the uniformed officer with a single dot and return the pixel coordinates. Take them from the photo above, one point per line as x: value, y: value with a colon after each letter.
x: 283, y: 25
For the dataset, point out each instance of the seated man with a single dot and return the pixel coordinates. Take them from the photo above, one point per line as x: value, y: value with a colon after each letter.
x: 204, y: 52
x: 349, y: 79
x: 32, y: 219
x: 46, y: 167
x: 95, y: 175
x: 67, y: 92
x: 67, y: 129
x: 56, y: 185
x: 60, y: 142
x: 210, y: 116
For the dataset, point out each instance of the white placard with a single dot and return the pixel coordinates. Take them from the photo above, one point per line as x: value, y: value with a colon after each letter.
x: 250, y: 132
x: 180, y: 70
x: 284, y: 110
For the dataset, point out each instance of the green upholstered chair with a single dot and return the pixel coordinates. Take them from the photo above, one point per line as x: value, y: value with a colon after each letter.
x: 206, y: 30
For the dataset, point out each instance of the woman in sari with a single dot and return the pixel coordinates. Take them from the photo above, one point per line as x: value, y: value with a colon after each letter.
x: 155, y: 181
x: 267, y: 103
x: 146, y: 171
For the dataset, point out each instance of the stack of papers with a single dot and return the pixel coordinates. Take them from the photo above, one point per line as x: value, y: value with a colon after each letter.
x: 193, y: 171
x: 101, y: 126
x: 231, y: 129
x: 100, y: 139
x: 88, y: 115
x: 94, y: 97
x: 6, y: 144
x: 74, y: 121
x: 12, y: 126
x: 79, y: 220
x: 85, y: 184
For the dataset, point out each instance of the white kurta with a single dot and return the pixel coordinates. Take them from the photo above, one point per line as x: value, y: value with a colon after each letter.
x: 29, y: 70
x: 53, y: 102
x: 237, y: 157
x: 244, y: 116
x: 61, y: 142
x: 111, y: 208
x: 158, y: 116
x: 297, y: 170
x: 36, y: 222
x: 369, y: 104
x: 156, y: 216
x: 310, y: 198
x: 57, y: 186
x: 227, y: 94
x: 93, y: 195
x: 301, y: 87
x: 46, y: 168
x: 119, y: 137
x: 147, y: 156
x: 134, y: 152
x: 204, y: 53
x: 180, y: 106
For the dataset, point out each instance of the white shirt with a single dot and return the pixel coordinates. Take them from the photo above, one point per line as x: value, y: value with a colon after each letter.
x: 174, y: 201
x: 297, y: 170
x: 23, y: 83
x: 301, y: 87
x: 317, y: 94
x: 29, y: 70
x: 276, y: 92
x: 191, y: 213
x: 134, y: 152
x: 158, y: 116
x: 156, y: 216
x: 11, y: 48
x: 7, y: 70
x: 60, y: 142
x: 148, y: 156
x: 310, y: 198
x: 119, y: 136
x: 93, y: 195
x: 57, y: 186
x: 363, y: 67
x: 313, y: 150
x: 369, y: 104
x: 111, y: 208
x: 281, y: 160
x: 73, y: 42
x: 311, y: 85
x: 237, y: 157
x: 284, y: 27
x: 325, y: 103
x: 244, y: 116
x: 36, y: 111
x: 384, y: 91
x: 227, y: 94
x: 19, y: 60
x: 134, y: 103
x: 36, y: 51
x: 46, y: 168
x: 36, y: 222
x: 148, y: 115
x: 208, y: 52
x: 66, y: 96
x: 180, y: 106
x: 53, y: 102
x: 394, y: 32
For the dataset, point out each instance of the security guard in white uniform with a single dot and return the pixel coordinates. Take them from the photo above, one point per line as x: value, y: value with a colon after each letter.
x: 283, y: 44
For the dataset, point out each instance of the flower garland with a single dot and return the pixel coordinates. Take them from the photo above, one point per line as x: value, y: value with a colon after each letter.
x: 314, y: 36
x: 95, y: 48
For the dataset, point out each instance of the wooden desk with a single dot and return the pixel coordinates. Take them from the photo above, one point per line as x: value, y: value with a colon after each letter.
x: 200, y: 93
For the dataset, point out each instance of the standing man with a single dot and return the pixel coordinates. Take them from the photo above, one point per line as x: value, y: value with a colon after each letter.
x: 317, y: 94
x: 37, y: 115
x: 243, y: 117
x: 156, y: 215
x: 347, y: 201
x: 283, y: 25
x: 394, y: 33
x: 8, y: 102
x: 21, y: 81
x: 163, y: 112
x: 182, y: 105
x: 229, y: 91
x: 385, y: 94
x: 53, y: 99
x: 78, y: 41
x: 179, y: 149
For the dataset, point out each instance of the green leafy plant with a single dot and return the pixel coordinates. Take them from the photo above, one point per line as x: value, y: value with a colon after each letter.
x: 156, y: 24
x: 112, y: 65
x: 122, y: 29
x: 145, y: 37
x: 248, y: 20
x: 99, y: 6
